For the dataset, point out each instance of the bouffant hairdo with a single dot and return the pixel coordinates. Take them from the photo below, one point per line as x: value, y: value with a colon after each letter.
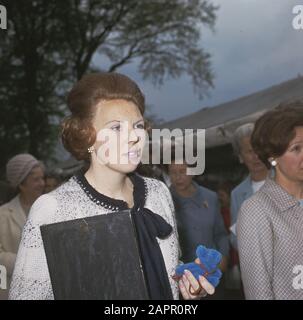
x: 78, y: 133
x: 275, y: 129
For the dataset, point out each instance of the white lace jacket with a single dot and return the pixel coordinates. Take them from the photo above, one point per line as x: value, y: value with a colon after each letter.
x: 31, y: 278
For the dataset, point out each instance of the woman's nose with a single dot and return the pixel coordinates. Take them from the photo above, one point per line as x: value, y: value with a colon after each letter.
x: 255, y: 157
x: 178, y: 177
x: 133, y: 136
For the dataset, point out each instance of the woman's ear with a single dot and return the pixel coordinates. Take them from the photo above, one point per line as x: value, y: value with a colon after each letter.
x: 240, y: 159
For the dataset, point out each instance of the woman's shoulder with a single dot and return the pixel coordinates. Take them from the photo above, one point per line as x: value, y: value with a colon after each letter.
x: 5, y: 208
x: 69, y: 187
x: 207, y: 193
x: 158, y: 194
x: 158, y: 199
x: 258, y: 206
x: 259, y: 199
x: 10, y: 209
x: 256, y: 214
x: 44, y: 208
x: 154, y: 185
x: 243, y: 186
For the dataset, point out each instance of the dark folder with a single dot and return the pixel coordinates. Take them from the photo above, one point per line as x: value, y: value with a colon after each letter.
x: 95, y: 258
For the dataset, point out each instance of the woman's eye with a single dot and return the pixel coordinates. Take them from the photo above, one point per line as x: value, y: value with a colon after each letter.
x: 296, y: 148
x: 140, y: 126
x: 116, y: 128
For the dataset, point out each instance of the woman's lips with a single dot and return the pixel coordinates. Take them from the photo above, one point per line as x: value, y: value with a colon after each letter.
x: 134, y: 154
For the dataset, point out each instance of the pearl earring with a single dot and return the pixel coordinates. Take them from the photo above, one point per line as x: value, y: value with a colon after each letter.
x: 90, y: 150
x: 273, y: 162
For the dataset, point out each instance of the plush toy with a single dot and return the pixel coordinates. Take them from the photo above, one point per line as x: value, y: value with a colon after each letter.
x: 208, y: 266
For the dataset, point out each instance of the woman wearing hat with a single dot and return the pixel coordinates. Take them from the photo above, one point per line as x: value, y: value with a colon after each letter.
x: 25, y: 174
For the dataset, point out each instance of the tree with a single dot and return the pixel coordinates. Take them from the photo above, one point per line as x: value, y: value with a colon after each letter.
x: 32, y: 78
x: 51, y: 44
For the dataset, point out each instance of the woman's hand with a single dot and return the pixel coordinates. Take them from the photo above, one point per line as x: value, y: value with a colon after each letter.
x: 191, y: 289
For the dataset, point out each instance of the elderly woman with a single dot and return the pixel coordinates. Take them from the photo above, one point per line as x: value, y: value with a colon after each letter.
x: 257, y: 172
x: 26, y: 175
x: 270, y: 223
x: 107, y: 129
x: 198, y: 215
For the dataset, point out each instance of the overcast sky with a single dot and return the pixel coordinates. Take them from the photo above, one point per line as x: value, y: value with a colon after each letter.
x: 254, y: 46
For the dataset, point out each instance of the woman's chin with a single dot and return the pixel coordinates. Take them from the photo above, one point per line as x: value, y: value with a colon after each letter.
x: 125, y: 168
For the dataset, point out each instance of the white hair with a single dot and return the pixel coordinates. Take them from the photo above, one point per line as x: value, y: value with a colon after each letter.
x: 241, y: 132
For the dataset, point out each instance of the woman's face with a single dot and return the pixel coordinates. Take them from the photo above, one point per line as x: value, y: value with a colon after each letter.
x: 290, y: 164
x: 249, y: 157
x: 179, y: 179
x: 120, y: 135
x: 51, y: 183
x: 34, y: 183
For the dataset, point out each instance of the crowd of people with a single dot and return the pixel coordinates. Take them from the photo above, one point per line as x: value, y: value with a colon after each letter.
x: 257, y: 225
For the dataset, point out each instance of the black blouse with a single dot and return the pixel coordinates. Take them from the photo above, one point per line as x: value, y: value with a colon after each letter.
x: 149, y: 226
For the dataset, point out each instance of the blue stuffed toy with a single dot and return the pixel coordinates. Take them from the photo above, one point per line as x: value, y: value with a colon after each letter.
x: 208, y: 266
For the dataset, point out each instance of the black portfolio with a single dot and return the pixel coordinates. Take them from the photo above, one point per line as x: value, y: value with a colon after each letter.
x: 95, y: 258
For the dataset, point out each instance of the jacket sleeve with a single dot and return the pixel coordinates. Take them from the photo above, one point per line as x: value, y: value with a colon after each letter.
x: 255, y: 242
x: 234, y: 214
x: 171, y: 244
x: 31, y: 279
x: 7, y: 258
x: 172, y: 215
x: 220, y: 233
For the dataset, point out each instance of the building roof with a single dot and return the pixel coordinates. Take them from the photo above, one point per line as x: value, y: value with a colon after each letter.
x: 220, y: 121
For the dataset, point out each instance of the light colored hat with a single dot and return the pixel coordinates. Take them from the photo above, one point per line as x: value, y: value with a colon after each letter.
x: 19, y: 167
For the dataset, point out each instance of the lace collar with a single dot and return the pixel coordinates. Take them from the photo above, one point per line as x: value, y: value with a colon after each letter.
x: 139, y: 193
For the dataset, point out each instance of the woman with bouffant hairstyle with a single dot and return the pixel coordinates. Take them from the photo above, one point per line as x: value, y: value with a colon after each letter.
x: 106, y: 127
x: 78, y: 132
x: 270, y: 223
